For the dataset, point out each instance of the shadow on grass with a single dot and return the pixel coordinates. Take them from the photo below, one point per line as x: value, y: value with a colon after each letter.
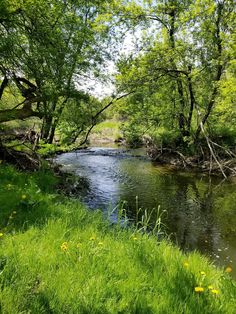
x: 26, y: 198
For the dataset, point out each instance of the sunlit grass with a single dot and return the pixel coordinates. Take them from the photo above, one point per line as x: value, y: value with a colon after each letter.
x: 57, y: 257
x: 108, y: 129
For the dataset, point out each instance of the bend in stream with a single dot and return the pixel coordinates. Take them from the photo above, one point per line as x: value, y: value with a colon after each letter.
x: 201, y: 211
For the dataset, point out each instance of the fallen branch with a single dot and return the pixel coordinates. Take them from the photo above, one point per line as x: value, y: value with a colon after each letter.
x: 209, y: 145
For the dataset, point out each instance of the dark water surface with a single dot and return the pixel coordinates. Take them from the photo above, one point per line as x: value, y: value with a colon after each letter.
x: 200, y: 211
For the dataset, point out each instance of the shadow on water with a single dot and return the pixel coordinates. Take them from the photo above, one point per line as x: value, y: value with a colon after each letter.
x: 201, y: 211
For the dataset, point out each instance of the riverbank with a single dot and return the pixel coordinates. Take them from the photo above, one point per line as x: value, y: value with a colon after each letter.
x: 57, y: 257
x: 225, y: 167
x: 208, y: 157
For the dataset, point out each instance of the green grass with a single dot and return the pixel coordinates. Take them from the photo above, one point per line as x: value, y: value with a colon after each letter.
x: 57, y: 257
x: 106, y: 130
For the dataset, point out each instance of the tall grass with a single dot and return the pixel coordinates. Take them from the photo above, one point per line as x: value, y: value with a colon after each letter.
x: 57, y: 257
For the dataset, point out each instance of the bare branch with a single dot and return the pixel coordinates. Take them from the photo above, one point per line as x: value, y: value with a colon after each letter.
x: 209, y: 145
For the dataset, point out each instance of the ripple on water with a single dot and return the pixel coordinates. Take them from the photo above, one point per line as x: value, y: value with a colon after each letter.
x: 201, y: 213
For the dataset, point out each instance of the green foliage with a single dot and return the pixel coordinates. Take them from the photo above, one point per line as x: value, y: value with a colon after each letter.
x: 133, y: 135
x: 57, y: 257
x: 185, y: 73
x: 224, y: 135
x: 166, y: 138
x: 77, y: 116
x: 46, y: 149
x: 47, y: 49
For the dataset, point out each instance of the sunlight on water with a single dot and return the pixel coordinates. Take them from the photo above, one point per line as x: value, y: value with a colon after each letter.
x: 201, y: 211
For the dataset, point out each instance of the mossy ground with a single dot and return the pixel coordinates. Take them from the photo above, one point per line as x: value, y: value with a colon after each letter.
x: 58, y: 257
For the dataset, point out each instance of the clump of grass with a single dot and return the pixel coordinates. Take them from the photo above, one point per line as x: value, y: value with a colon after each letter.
x: 61, y: 258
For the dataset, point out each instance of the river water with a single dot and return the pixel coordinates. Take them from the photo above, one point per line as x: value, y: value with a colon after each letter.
x: 199, y: 211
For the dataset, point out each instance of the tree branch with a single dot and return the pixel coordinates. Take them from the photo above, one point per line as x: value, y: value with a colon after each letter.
x: 95, y: 117
x: 25, y: 112
x: 3, y: 86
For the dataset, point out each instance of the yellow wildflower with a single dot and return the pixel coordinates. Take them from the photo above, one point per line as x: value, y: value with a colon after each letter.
x: 228, y: 269
x: 92, y: 238
x: 215, y: 291
x: 199, y: 289
x: 1, y: 234
x: 203, y: 273
x: 23, y: 197
x: 186, y: 264
x: 210, y: 287
x: 64, y: 246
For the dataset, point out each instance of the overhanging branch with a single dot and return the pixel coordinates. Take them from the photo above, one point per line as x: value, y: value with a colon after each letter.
x: 95, y: 117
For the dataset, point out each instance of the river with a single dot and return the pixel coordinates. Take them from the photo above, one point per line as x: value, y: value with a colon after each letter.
x: 199, y: 212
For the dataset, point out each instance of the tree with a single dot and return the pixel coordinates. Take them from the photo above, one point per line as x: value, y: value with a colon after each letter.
x: 180, y: 69
x: 46, y: 48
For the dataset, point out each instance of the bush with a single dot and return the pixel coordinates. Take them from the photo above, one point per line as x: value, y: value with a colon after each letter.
x: 133, y: 135
x: 166, y: 138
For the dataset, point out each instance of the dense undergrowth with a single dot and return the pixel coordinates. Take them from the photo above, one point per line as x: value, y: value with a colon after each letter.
x: 57, y: 257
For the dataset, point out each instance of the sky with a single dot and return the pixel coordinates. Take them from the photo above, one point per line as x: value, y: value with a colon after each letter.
x: 99, y: 88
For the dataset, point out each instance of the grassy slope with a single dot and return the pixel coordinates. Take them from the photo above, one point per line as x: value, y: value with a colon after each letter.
x: 106, y: 131
x: 56, y: 257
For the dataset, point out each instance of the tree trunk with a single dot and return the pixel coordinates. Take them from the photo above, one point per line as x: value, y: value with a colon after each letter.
x: 48, y: 122
x: 192, y: 101
x: 180, y: 89
x: 56, y: 121
x: 14, y: 114
x: 52, y: 133
x: 46, y: 128
x: 3, y: 86
x: 219, y: 72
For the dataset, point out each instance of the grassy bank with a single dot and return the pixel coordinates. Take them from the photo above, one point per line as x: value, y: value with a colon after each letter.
x: 57, y: 257
x: 107, y: 131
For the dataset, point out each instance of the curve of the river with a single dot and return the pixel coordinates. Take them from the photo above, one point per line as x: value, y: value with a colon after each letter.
x: 200, y: 211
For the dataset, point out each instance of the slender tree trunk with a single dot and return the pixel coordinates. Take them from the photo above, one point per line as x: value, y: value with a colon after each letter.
x: 219, y: 72
x: 52, y: 133
x: 56, y: 121
x: 180, y: 89
x: 75, y: 135
x: 192, y: 101
x: 46, y: 128
x: 3, y: 86
x: 48, y: 122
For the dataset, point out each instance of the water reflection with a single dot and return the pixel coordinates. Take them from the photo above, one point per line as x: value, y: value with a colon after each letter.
x: 200, y: 212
